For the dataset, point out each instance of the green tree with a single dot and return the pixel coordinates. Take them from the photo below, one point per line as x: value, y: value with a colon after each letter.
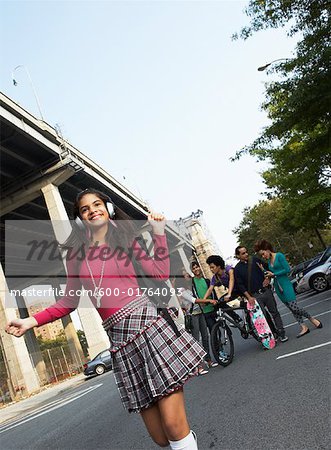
x: 61, y: 340
x: 266, y: 221
x: 297, y: 140
x: 46, y: 344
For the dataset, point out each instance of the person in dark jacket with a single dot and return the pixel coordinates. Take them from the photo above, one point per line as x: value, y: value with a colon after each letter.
x: 252, y: 283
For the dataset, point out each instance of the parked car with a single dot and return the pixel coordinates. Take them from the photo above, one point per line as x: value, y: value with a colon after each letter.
x: 316, y: 278
x: 99, y: 365
x: 298, y: 269
x: 303, y: 265
x: 328, y: 275
x: 317, y: 261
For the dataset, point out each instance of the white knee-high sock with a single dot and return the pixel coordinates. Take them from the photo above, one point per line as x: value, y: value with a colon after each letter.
x: 187, y: 443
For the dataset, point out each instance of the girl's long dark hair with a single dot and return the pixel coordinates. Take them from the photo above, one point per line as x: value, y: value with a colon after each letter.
x: 118, y: 237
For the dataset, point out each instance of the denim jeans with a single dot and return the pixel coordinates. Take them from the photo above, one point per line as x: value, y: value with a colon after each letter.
x: 199, y: 326
x: 210, y: 318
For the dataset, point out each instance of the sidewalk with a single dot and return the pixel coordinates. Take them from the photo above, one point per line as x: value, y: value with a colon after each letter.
x: 21, y: 407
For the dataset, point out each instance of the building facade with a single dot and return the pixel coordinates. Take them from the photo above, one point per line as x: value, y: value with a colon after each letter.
x: 48, y: 331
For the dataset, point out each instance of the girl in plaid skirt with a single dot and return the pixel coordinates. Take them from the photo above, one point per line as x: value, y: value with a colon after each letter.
x: 152, y: 359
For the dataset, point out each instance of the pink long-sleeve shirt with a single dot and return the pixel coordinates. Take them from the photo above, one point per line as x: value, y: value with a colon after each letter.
x: 119, y: 282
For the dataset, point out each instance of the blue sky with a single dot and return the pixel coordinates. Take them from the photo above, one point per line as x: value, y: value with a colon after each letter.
x: 156, y: 92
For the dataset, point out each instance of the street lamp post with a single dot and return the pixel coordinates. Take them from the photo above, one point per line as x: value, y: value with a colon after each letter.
x: 31, y: 84
x: 262, y: 68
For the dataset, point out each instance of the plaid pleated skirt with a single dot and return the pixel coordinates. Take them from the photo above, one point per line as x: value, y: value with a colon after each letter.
x: 149, y: 360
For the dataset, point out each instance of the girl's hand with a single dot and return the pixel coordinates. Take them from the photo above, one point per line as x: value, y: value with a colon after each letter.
x: 18, y: 327
x: 157, y: 222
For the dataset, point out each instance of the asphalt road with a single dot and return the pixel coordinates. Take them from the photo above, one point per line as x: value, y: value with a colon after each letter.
x: 277, y: 399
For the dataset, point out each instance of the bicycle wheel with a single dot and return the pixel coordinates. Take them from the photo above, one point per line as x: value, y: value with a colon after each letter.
x: 222, y: 343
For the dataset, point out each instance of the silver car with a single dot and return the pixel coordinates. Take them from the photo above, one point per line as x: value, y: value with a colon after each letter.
x: 318, y: 278
x: 328, y: 275
x: 99, y: 364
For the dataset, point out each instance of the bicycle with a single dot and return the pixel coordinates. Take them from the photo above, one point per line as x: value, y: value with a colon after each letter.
x: 221, y: 335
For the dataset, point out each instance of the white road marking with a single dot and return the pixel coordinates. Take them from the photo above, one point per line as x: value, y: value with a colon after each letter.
x: 50, y: 407
x: 317, y: 315
x: 304, y: 350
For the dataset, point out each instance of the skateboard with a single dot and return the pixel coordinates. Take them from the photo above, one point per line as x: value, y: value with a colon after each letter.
x: 261, y: 325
